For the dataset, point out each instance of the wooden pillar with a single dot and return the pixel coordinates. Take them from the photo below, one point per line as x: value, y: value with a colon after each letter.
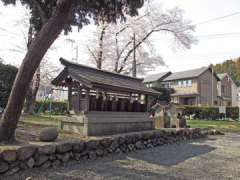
x: 147, y: 103
x: 79, y: 97
x: 70, y: 97
x: 87, y: 99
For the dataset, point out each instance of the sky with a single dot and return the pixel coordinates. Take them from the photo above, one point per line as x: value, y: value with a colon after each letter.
x: 218, y: 39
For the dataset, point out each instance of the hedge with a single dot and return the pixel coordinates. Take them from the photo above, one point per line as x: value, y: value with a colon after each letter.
x: 210, y: 112
x: 51, y: 107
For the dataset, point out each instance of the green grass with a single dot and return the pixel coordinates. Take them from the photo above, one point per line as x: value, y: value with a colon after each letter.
x: 225, y: 126
x: 44, y: 120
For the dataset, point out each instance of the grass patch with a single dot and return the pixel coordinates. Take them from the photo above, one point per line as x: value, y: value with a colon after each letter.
x: 225, y: 126
x: 43, y: 120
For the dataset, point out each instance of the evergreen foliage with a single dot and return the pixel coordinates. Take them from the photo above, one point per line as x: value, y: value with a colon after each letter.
x: 7, y: 76
x: 232, y: 67
x: 83, y: 11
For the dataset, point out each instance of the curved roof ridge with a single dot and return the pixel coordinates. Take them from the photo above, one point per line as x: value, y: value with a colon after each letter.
x: 66, y: 63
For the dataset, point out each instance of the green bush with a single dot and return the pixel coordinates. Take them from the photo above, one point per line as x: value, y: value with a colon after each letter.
x: 7, y: 76
x: 232, y: 112
x: 210, y: 113
x: 51, y: 107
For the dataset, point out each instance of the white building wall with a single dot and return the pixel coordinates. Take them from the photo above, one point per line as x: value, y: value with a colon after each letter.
x: 235, y: 94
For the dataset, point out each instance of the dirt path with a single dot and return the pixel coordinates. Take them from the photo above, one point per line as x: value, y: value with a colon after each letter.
x: 214, y: 158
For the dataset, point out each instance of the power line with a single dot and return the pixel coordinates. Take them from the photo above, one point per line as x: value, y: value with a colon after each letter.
x: 223, y: 35
x: 217, y: 18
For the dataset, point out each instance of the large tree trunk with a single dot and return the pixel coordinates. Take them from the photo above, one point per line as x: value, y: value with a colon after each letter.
x: 38, y: 48
x: 99, y: 60
x: 34, y: 85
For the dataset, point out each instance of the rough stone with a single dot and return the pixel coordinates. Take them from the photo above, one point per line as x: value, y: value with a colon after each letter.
x: 92, y: 145
x: 23, y: 165
x: 56, y: 163
x: 14, y: 164
x: 77, y: 156
x: 114, y: 145
x: 29, y: 178
x: 31, y: 163
x: 47, y: 149
x: 92, y: 155
x: 52, y: 157
x: 139, y: 145
x: 12, y: 171
x: 78, y: 147
x: 46, y: 165
x: 3, y: 167
x: 123, y: 148
x: 118, y: 150
x: 99, y: 152
x: 106, y: 142
x: 25, y: 152
x: 41, y: 159
x: 9, y: 155
x: 64, y: 147
x: 65, y: 157
x: 48, y: 134
x: 131, y: 147
x: 121, y: 140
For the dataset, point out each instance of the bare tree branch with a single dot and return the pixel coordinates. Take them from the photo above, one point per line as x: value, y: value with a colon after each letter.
x: 92, y: 53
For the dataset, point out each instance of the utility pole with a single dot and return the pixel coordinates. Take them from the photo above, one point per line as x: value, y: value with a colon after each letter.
x: 76, y: 58
x: 212, y: 85
x: 134, y: 65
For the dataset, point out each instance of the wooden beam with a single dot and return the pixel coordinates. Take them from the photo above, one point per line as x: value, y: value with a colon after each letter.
x: 69, y: 97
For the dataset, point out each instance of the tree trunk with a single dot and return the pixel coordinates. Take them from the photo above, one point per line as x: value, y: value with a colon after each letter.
x: 38, y: 48
x: 100, y: 48
x: 34, y: 85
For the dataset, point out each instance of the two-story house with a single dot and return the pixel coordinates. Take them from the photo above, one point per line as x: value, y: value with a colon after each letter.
x: 192, y: 87
x: 156, y: 80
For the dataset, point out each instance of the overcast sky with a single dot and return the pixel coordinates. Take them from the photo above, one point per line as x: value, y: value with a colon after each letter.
x: 218, y: 39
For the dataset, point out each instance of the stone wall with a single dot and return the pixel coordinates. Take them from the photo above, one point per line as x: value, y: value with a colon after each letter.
x: 46, y: 155
x: 101, y: 123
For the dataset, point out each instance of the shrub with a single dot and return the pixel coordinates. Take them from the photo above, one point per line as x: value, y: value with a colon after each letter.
x: 232, y: 112
x: 208, y: 112
x: 51, y: 107
x: 7, y: 76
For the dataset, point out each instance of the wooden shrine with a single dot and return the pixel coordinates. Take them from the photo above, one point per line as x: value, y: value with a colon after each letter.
x: 102, y: 102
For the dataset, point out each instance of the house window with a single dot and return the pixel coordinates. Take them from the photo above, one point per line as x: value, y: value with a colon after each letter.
x: 184, y: 83
x: 179, y: 83
x: 150, y: 85
x: 189, y: 83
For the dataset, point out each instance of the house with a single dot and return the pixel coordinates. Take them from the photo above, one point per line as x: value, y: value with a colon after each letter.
x: 228, y: 90
x: 103, y: 102
x: 156, y: 80
x: 192, y: 87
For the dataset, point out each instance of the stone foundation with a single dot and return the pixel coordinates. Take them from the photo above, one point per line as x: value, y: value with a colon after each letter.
x: 46, y: 155
x: 100, y: 123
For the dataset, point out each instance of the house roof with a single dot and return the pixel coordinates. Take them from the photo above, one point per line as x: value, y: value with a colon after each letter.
x: 193, y: 73
x: 92, y: 77
x: 156, y: 77
x: 222, y: 75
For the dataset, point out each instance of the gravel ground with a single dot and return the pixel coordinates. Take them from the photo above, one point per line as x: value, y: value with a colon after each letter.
x: 213, y: 158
